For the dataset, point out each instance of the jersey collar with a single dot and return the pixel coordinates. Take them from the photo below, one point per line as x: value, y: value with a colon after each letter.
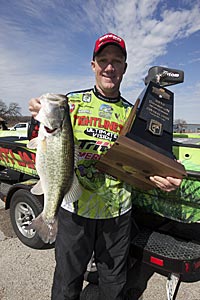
x: 106, y: 99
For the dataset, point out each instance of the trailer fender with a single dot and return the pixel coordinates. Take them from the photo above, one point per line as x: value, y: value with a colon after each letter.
x: 27, y: 185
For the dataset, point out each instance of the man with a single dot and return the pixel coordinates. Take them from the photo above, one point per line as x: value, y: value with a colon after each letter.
x: 100, y: 220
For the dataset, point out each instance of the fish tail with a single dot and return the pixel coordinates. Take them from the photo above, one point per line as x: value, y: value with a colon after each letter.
x: 46, y: 230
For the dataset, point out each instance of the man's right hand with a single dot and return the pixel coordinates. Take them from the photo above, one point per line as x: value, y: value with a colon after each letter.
x: 34, y: 106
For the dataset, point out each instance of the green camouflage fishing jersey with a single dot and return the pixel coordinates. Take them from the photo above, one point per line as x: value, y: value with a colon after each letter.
x: 97, y: 122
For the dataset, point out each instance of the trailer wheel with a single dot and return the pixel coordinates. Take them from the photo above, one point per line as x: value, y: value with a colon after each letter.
x: 23, y: 208
x: 90, y: 292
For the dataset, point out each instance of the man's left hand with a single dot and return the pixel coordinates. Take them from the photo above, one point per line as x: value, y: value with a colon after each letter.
x: 167, y: 184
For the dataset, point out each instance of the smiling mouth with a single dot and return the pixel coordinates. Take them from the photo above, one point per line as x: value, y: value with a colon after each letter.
x: 108, y: 77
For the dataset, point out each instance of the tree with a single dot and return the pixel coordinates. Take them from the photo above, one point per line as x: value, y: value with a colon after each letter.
x: 179, y: 124
x: 12, y: 110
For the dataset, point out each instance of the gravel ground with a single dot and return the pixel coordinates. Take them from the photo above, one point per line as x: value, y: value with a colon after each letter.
x: 26, y: 274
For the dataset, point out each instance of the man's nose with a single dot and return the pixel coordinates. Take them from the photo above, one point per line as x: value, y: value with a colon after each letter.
x: 110, y: 67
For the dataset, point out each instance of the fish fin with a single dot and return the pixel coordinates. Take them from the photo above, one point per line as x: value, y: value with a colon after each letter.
x: 74, y: 192
x: 32, y: 144
x: 37, y: 188
x: 47, y: 231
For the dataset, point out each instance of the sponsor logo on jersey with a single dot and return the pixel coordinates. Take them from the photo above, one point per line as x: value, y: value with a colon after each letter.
x: 74, y: 97
x: 87, y: 98
x: 101, y: 134
x: 105, y: 111
x: 84, y: 111
x: 71, y: 107
x: 93, y: 146
x: 97, y: 123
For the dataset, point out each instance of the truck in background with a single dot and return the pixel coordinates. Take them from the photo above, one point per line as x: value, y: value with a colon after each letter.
x: 20, y: 129
x: 17, y: 176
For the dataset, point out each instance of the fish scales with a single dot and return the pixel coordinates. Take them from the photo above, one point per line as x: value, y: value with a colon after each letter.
x: 55, y: 166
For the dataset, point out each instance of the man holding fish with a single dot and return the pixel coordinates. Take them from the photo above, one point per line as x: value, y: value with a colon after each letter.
x: 93, y: 209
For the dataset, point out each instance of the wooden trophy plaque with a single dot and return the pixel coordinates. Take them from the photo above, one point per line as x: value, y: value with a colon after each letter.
x: 144, y: 147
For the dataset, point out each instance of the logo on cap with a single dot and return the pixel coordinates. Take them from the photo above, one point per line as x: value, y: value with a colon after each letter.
x: 111, y: 39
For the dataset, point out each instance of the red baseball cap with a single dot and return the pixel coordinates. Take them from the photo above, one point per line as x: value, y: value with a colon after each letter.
x: 109, y: 39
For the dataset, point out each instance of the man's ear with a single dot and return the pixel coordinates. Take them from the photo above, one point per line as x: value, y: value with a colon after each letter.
x: 125, y: 67
x: 93, y: 65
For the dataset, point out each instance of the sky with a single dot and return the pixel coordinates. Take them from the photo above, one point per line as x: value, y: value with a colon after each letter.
x: 46, y: 46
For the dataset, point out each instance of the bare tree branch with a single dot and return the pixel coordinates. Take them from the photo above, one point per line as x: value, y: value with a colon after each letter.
x: 7, y: 111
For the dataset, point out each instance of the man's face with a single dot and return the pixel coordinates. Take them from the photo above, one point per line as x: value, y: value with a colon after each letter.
x: 109, y: 66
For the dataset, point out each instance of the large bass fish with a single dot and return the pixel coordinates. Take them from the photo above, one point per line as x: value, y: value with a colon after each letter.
x: 55, y: 159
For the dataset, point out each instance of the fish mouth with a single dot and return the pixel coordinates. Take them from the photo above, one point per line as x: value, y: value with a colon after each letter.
x: 56, y: 97
x: 53, y: 111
